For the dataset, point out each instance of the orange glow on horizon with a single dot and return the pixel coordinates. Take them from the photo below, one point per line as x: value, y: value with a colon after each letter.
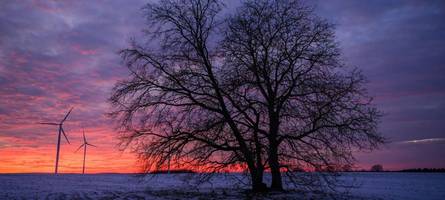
x: 31, y: 148
x: 38, y: 155
x: 22, y: 155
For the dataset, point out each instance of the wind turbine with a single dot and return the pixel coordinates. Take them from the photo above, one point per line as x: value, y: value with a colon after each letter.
x: 84, y: 145
x: 61, y: 131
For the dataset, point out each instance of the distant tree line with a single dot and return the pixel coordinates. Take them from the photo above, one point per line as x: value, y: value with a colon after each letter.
x: 379, y: 168
x: 423, y: 170
x: 374, y: 168
x: 178, y: 171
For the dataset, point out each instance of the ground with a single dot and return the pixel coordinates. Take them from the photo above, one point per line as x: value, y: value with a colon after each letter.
x: 404, y: 186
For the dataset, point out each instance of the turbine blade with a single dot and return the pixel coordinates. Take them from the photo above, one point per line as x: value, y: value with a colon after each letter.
x: 79, y: 148
x: 55, y: 124
x: 64, y: 134
x: 84, y: 139
x: 66, y: 116
x: 91, y: 145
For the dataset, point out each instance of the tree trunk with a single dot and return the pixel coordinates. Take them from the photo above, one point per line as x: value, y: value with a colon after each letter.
x: 259, y: 160
x: 257, y: 180
x: 274, y: 162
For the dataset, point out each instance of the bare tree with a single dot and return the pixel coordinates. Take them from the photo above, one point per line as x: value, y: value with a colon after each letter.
x: 313, y: 110
x: 263, y: 89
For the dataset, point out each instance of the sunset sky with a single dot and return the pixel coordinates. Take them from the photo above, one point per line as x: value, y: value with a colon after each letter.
x: 59, y: 54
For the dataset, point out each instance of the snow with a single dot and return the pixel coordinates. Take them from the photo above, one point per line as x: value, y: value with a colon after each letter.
x: 407, y: 186
x: 181, y: 186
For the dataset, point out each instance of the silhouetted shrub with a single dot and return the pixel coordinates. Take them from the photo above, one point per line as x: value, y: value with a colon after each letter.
x: 377, y: 168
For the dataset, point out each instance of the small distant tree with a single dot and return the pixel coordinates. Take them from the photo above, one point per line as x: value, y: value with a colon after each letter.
x: 377, y: 168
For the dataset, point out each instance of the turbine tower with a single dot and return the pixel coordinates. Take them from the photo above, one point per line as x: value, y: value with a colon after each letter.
x: 61, y: 131
x: 84, y: 145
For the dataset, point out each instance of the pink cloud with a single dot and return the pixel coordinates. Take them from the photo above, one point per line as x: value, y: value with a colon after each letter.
x: 84, y: 51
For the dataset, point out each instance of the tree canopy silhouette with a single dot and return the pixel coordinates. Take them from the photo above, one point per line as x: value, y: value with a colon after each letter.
x: 262, y: 88
x: 377, y: 168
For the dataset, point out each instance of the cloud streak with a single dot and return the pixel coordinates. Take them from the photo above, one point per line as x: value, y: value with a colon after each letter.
x: 422, y: 141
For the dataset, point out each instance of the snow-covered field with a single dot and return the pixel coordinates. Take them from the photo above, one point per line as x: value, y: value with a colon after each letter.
x: 179, y: 186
